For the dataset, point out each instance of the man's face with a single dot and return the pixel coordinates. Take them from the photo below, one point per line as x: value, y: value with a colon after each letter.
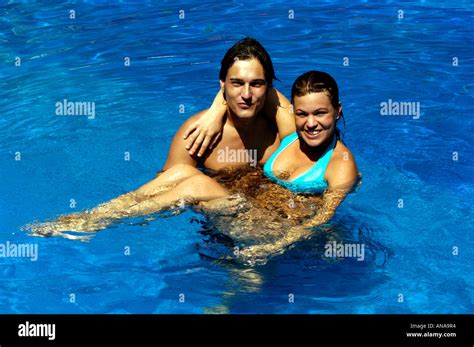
x: 245, y: 88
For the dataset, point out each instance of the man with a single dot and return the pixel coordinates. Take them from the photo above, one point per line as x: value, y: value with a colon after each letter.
x: 246, y: 109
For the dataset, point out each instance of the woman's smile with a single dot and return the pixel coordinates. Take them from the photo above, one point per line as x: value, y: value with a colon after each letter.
x: 313, y: 133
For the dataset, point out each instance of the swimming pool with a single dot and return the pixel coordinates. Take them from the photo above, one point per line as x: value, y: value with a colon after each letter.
x: 413, y: 211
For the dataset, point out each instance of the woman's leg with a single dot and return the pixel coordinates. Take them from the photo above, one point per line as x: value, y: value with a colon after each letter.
x: 163, y: 182
x: 167, y: 179
x: 99, y: 217
x: 195, y: 189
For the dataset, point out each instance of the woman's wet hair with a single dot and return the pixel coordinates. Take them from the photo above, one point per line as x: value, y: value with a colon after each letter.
x: 246, y: 49
x: 316, y: 82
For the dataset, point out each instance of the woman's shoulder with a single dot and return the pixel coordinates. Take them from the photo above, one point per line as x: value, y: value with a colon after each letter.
x: 342, y: 167
x: 289, y: 138
x: 341, y: 151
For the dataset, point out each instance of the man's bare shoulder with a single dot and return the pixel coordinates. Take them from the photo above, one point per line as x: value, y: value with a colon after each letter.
x: 178, y: 154
x: 195, y: 117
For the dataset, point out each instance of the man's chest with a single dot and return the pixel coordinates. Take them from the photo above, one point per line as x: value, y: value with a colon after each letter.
x: 232, y: 150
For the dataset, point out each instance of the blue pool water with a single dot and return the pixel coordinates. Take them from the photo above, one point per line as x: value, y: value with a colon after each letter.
x: 175, y: 64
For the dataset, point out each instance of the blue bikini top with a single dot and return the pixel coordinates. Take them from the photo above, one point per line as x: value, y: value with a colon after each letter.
x: 312, y: 181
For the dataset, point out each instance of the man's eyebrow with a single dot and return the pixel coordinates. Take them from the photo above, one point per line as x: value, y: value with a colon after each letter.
x: 259, y: 80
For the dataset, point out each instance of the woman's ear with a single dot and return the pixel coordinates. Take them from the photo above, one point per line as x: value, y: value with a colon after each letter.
x: 339, y: 111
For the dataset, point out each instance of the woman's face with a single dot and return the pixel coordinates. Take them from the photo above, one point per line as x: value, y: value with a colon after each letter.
x: 315, y: 118
x: 245, y: 88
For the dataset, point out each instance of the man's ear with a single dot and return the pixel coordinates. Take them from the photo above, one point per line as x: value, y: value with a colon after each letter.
x: 270, y: 89
x: 222, y: 88
x: 291, y: 109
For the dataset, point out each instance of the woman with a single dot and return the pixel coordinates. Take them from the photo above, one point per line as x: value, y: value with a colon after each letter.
x: 313, y: 159
x: 312, y: 162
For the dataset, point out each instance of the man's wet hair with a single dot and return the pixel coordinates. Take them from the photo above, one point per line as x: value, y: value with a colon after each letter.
x: 246, y: 49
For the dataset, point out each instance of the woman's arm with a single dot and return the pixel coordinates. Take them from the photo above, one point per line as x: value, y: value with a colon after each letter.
x: 258, y: 253
x: 279, y: 110
x: 340, y: 183
x: 342, y: 175
x: 204, y: 133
